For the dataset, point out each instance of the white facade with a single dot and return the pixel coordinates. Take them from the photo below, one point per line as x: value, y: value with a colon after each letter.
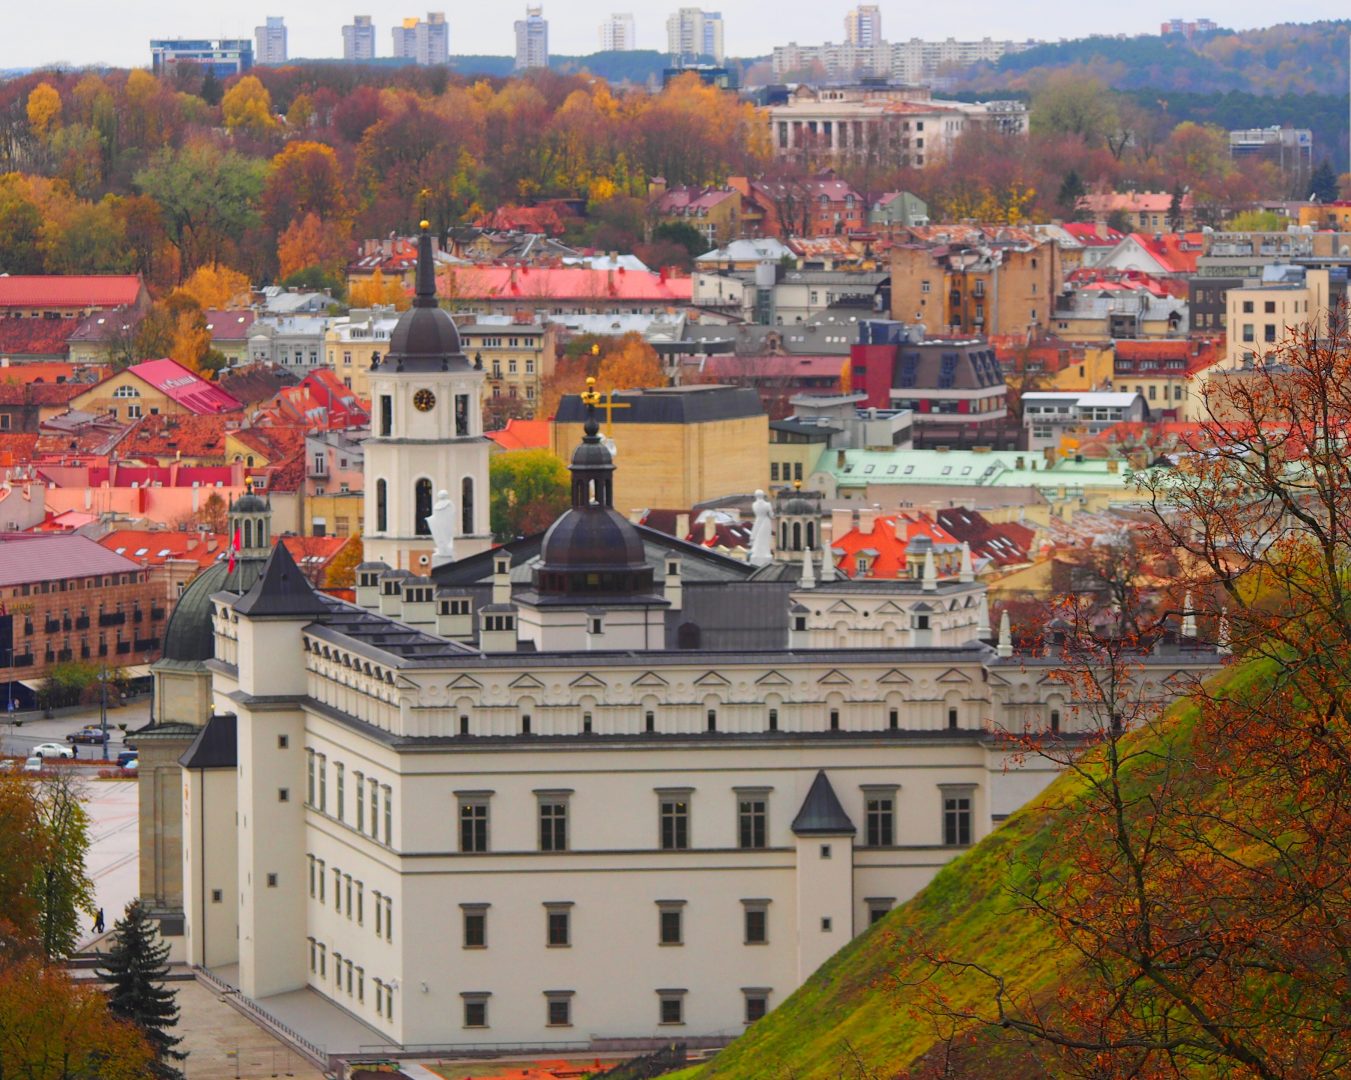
x: 532, y: 40
x: 447, y: 842
x: 617, y: 33
x: 270, y: 41
x: 863, y: 25
x: 425, y: 42
x: 692, y: 33
x: 358, y: 39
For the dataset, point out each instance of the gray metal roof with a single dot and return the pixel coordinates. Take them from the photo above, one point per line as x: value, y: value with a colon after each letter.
x: 821, y: 813
x: 27, y: 558
x: 215, y: 747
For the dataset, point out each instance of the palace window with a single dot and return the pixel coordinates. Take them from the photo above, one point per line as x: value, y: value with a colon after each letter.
x: 559, y: 1008
x: 757, y: 1004
x: 553, y: 823
x: 473, y: 824
x: 880, y: 817
x: 475, y: 1009
x: 752, y: 815
x: 475, y: 925
x: 675, y: 823
x: 957, y: 816
x: 672, y: 1007
x: 671, y: 922
x: 558, y: 925
x: 755, y: 918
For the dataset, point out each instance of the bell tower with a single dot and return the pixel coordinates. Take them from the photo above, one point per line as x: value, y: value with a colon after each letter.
x: 427, y: 435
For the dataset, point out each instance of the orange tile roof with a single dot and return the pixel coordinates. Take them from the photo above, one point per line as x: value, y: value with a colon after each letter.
x: 69, y: 290
x: 889, y: 560
x: 154, y: 547
x: 1176, y: 253
x: 522, y: 435
x: 190, y: 436
x: 49, y: 371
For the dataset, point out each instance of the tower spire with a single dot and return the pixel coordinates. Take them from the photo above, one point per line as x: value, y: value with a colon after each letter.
x: 426, y: 268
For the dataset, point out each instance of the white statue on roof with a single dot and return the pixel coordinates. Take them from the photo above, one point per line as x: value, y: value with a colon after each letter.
x: 441, y: 522
x: 762, y: 531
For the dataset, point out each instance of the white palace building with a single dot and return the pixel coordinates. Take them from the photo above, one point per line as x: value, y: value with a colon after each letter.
x: 598, y: 783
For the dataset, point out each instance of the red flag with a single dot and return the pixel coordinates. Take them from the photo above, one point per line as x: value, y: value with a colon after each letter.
x: 234, y: 547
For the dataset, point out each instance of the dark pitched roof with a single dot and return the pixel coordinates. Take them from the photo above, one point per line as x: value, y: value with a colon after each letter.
x: 672, y: 405
x: 821, y: 812
x: 215, y: 747
x: 282, y: 590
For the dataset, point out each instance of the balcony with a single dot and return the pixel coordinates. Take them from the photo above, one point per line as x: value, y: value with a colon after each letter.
x: 24, y: 660
x: 65, y: 655
x: 137, y: 616
x: 147, y: 644
x: 82, y: 623
x: 52, y: 626
x: 157, y: 613
x: 123, y: 647
x: 112, y: 618
x: 318, y: 468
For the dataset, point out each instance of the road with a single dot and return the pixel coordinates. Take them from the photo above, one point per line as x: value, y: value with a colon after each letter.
x: 19, y: 739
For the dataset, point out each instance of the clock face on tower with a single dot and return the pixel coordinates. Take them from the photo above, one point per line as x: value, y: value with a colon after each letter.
x: 424, y: 401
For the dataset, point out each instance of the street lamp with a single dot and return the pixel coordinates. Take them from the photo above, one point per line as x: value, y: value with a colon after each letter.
x: 103, y: 706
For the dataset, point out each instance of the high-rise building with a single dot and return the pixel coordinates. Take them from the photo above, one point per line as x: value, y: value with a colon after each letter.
x: 532, y: 40
x: 425, y: 43
x: 271, y: 41
x: 223, y: 57
x: 358, y: 39
x: 863, y: 25
x: 616, y: 33
x: 692, y: 33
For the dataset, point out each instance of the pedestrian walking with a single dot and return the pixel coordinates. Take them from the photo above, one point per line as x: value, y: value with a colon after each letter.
x: 98, y: 922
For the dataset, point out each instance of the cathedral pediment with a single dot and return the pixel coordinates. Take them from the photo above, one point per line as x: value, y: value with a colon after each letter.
x: 952, y: 675
x: 650, y: 678
x: 835, y: 677
x: 526, y: 682
x: 465, y: 682
x: 711, y: 678
x: 773, y: 678
x: 895, y: 678
x: 588, y: 681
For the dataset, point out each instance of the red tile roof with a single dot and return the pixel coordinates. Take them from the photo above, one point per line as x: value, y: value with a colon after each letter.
x: 563, y: 283
x: 35, y: 337
x: 154, y: 547
x: 69, y: 290
x: 40, y: 393
x: 230, y: 325
x: 888, y: 558
x: 177, y: 436
x: 532, y: 219
x: 186, y: 388
x: 522, y: 435
x: 1004, y: 544
x: 1091, y: 235
x: 1176, y: 253
x: 49, y: 371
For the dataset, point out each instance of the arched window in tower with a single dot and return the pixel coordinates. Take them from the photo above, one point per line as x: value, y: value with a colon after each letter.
x: 381, y: 506
x: 248, y: 534
x: 811, y: 535
x: 797, y: 536
x: 467, y: 506
x: 261, y: 532
x: 422, y: 507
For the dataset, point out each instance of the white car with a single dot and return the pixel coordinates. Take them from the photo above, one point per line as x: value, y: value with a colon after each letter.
x: 52, y: 749
x: 34, y: 764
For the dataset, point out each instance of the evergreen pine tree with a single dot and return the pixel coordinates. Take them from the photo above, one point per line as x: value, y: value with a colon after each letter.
x: 211, y: 91
x: 136, y: 970
x: 1176, y: 218
x: 1071, y: 191
x: 1323, y: 183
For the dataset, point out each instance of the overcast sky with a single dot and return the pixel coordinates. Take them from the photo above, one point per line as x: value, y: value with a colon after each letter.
x: 80, y: 32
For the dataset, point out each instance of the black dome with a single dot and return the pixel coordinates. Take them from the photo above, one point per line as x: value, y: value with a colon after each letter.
x: 424, y: 332
x: 189, y: 634
x: 248, y: 503
x: 592, y: 538
x: 425, y: 337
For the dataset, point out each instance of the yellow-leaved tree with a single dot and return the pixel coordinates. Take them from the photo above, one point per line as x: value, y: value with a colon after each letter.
x: 247, y: 107
x: 44, y: 109
x: 214, y: 287
x: 377, y: 290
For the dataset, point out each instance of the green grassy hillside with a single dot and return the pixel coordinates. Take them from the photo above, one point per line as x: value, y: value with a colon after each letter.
x: 853, y: 1017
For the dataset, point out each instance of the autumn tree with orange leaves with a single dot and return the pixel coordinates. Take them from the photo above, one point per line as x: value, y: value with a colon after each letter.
x: 1197, y: 896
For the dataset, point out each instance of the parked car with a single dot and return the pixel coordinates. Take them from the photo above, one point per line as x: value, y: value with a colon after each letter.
x: 86, y: 735
x: 123, y: 756
x: 52, y: 749
x: 34, y: 764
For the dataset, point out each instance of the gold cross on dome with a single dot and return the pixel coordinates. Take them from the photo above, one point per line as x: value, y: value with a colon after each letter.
x: 592, y: 397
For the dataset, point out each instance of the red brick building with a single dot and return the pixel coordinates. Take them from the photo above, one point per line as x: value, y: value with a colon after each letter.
x: 67, y: 598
